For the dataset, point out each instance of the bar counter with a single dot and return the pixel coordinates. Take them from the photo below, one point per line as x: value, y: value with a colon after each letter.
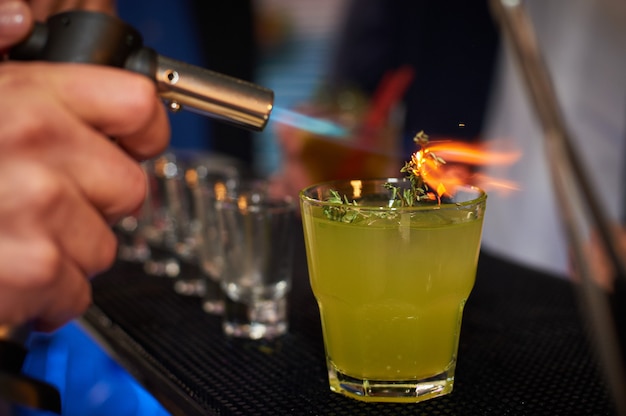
x: 523, y: 350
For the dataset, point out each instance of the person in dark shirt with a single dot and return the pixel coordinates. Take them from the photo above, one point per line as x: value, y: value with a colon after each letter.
x: 451, y: 46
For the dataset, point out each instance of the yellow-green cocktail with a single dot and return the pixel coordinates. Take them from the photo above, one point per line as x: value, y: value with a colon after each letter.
x: 391, y: 284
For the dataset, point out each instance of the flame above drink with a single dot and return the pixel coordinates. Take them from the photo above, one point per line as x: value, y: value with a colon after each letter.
x: 446, y: 164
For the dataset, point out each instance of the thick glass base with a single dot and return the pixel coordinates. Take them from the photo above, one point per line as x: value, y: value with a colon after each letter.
x: 261, y: 319
x: 401, y: 391
x: 213, y: 298
x: 161, y: 263
x: 255, y: 330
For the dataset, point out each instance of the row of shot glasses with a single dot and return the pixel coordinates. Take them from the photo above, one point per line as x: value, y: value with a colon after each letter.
x: 217, y: 235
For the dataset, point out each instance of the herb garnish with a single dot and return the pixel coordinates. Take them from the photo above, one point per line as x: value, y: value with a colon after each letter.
x: 416, y: 170
x: 342, y: 212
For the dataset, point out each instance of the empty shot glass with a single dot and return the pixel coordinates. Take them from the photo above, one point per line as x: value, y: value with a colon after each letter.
x: 132, y: 245
x: 164, y: 215
x: 205, y: 176
x: 257, y: 238
x: 207, y: 186
x: 215, y: 187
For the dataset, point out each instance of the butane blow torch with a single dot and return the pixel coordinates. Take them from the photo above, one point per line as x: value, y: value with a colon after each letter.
x: 97, y: 38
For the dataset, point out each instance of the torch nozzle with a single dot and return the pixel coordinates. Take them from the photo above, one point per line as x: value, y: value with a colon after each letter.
x: 220, y: 96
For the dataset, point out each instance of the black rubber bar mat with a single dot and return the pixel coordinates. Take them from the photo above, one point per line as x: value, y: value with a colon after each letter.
x: 523, y: 351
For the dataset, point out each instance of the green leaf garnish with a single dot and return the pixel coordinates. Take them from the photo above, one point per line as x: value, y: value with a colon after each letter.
x: 344, y: 210
x: 341, y: 212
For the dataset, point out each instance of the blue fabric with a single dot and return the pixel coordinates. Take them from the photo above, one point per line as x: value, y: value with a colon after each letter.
x: 89, y: 381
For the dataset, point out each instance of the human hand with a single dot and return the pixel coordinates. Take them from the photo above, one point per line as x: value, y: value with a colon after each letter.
x: 41, y: 9
x: 16, y: 21
x: 64, y: 181
x: 18, y: 16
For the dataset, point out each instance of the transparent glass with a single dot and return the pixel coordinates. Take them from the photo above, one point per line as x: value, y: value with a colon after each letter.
x: 257, y: 242
x: 391, y: 283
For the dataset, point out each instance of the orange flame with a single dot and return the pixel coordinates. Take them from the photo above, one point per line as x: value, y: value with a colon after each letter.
x: 445, y: 165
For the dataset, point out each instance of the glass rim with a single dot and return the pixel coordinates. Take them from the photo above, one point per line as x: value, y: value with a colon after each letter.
x: 303, y: 196
x: 270, y: 204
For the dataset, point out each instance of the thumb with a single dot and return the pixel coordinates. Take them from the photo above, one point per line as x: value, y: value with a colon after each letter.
x: 15, y: 22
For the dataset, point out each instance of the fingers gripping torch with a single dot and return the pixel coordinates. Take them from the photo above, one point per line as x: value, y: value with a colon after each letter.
x: 97, y: 38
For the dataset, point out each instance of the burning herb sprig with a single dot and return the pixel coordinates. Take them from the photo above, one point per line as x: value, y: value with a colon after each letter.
x: 416, y: 171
